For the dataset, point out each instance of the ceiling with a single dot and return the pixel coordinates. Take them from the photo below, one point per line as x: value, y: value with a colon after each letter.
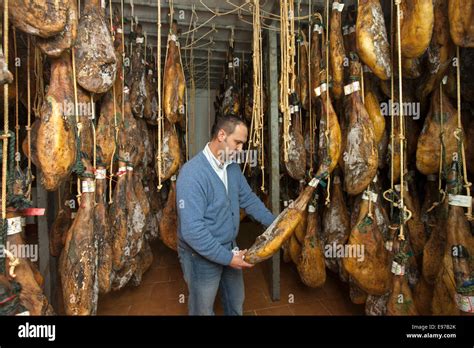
x: 214, y: 29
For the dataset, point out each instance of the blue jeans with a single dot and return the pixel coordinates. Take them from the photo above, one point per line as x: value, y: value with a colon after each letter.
x: 204, y: 278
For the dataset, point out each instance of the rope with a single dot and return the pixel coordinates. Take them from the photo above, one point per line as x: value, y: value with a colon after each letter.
x: 94, y: 144
x: 401, y: 235
x: 39, y: 97
x: 111, y: 169
x: 5, y: 137
x: 287, y: 53
x: 311, y: 135
x: 30, y: 177
x: 467, y: 184
x: 159, y: 91
x: 326, y: 133
x: 17, y: 126
x: 78, y: 166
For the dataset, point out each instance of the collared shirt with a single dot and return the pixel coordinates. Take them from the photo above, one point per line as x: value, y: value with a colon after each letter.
x: 219, y: 168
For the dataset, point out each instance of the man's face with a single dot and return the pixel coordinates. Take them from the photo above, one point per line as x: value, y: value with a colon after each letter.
x: 232, y: 144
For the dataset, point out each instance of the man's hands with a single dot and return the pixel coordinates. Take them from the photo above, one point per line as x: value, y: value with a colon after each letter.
x: 238, y: 260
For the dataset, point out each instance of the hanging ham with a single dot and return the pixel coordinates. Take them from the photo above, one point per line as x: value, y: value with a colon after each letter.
x: 78, y: 261
x: 44, y: 18
x: 428, y: 150
x: 102, y: 231
x: 55, y: 139
x: 372, y: 274
x: 54, y: 46
x: 360, y: 156
x: 461, y: 21
x: 371, y: 38
x: 311, y: 267
x: 416, y: 26
x: 96, y: 62
x: 169, y: 222
x: 336, y: 222
x: 31, y: 295
x: 336, y: 46
x: 174, y: 81
x: 440, y: 51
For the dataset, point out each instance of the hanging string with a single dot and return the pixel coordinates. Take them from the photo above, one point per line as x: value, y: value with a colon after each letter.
x: 5, y: 136
x: 17, y: 126
x: 459, y: 135
x: 326, y: 132
x: 78, y: 123
x: 311, y: 135
x: 159, y: 156
x: 30, y: 176
x: 94, y: 143
x: 111, y: 169
x: 39, y: 96
x: 401, y: 136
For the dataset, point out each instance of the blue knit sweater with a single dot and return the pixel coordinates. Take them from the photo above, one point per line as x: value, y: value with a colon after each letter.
x: 208, y: 216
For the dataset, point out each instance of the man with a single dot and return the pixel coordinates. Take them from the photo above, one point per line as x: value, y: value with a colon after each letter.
x: 210, y: 192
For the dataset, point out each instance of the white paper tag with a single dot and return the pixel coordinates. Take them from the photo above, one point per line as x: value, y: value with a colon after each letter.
x: 14, y: 225
x: 126, y: 90
x: 139, y: 40
x: 398, y: 188
x: 460, y: 200
x: 88, y: 186
x: 173, y: 178
x: 100, y: 174
x: 150, y: 72
x: 352, y: 29
x: 318, y: 29
x: 311, y: 209
x: 373, y: 196
x: 146, y: 189
x: 465, y: 303
x: 73, y: 215
x: 375, y: 178
x: 445, y: 80
x: 285, y: 203
x: 102, y: 3
x: 130, y: 169
x: 352, y: 87
x: 173, y: 37
x: 297, y: 108
x: 292, y: 109
x: 119, y: 30
x: 389, y: 245
x: 71, y: 203
x: 231, y: 65
x: 321, y: 89
x: 397, y: 269
x: 280, y: 119
x: 314, y: 182
x: 337, y: 6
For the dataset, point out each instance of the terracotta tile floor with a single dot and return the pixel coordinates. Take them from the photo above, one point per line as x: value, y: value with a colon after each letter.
x: 163, y: 290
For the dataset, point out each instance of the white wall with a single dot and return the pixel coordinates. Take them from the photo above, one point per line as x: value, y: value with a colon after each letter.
x: 199, y: 128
